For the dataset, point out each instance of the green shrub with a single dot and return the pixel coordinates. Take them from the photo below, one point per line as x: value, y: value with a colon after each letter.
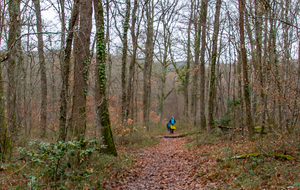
x: 59, y: 163
x: 224, y: 120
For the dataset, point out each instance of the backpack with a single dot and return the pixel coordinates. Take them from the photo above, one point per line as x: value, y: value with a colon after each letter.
x: 172, y: 121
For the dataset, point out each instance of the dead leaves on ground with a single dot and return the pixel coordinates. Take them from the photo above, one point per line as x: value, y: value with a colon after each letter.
x: 165, y: 166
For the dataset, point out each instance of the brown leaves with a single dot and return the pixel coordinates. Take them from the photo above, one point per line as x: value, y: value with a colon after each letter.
x: 164, y: 166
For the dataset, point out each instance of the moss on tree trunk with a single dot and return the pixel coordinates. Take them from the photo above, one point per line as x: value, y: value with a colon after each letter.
x: 101, y: 94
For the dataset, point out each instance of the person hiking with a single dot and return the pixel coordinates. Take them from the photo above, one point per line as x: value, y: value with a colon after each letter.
x: 168, y: 126
x: 172, y: 127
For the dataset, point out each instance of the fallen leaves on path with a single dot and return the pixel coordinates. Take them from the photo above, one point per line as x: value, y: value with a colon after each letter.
x: 165, y: 166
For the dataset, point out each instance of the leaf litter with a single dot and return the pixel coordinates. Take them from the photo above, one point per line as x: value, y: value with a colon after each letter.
x: 166, y: 166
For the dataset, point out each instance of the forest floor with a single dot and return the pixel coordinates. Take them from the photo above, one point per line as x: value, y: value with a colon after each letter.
x: 184, y: 163
x: 167, y: 165
x: 197, y: 161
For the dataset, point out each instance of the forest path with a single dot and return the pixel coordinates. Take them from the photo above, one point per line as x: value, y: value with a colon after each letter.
x: 167, y: 165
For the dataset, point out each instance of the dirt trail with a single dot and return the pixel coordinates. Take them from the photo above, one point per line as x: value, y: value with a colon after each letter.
x: 165, y: 166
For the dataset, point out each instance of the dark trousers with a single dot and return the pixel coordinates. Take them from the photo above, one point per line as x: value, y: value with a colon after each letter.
x: 172, y: 131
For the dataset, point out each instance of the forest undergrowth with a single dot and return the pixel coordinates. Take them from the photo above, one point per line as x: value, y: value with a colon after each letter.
x: 146, y: 160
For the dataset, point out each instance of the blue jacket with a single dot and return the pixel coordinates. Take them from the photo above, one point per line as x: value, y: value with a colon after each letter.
x: 172, y: 121
x: 169, y: 125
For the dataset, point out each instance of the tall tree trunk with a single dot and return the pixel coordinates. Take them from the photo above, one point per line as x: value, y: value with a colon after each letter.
x: 66, y: 74
x: 258, y: 36
x: 14, y: 55
x: 213, y: 66
x: 245, y: 70
x: 5, y: 143
x: 202, y: 64
x: 134, y: 36
x: 81, y: 69
x: 164, y: 69
x: 194, y: 98
x: 148, y: 64
x: 188, y: 63
x: 101, y: 99
x: 124, y: 63
x: 43, y: 122
x: 107, y: 41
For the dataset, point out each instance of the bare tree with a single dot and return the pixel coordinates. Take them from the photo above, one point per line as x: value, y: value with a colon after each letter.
x: 202, y: 63
x: 124, y: 62
x: 148, y: 63
x: 134, y: 37
x: 245, y: 69
x: 213, y: 66
x: 14, y: 57
x: 42, y: 64
x: 194, y: 98
x: 81, y: 68
x: 66, y: 73
x: 188, y: 63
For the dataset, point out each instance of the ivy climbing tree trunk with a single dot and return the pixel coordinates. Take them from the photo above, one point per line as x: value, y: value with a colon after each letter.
x: 213, y: 67
x: 81, y: 69
x: 249, y: 121
x: 65, y: 69
x: 14, y: 56
x: 124, y: 62
x: 43, y: 122
x: 101, y: 99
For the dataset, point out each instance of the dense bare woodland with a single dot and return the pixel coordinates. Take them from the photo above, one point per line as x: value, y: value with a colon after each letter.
x: 84, y: 84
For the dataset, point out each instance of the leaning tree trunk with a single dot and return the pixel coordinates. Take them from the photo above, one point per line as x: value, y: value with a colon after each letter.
x: 65, y: 69
x: 81, y: 69
x: 101, y: 99
x: 43, y: 122
x: 213, y: 67
x: 245, y: 70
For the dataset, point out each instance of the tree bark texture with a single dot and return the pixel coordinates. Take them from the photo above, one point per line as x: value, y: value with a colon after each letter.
x: 134, y: 36
x: 202, y: 63
x: 42, y: 63
x: 249, y: 121
x: 213, y: 67
x: 65, y: 68
x: 195, y: 87
x: 148, y: 64
x: 81, y: 69
x: 124, y: 63
x: 5, y: 143
x: 101, y: 99
x: 14, y: 57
